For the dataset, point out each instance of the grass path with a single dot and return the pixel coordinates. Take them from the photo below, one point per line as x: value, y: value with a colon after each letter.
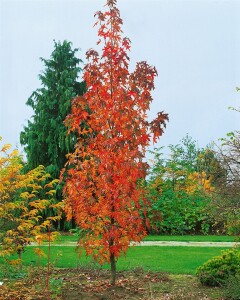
x: 154, y: 243
x: 188, y: 244
x: 191, y: 238
x: 164, y: 238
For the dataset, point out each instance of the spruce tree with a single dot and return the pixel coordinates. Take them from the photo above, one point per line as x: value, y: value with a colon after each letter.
x: 45, y: 137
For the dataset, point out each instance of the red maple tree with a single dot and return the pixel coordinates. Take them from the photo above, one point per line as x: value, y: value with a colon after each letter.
x: 102, y: 190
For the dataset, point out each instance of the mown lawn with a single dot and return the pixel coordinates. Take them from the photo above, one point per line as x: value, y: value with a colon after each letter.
x: 176, y: 260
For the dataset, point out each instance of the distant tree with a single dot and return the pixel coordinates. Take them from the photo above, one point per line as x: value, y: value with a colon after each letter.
x: 102, y: 190
x: 45, y: 136
x: 229, y: 154
x: 227, y: 200
x: 184, y: 154
x: 187, y: 157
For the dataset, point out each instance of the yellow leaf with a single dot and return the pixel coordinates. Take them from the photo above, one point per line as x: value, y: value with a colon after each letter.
x: 15, y: 152
x: 39, y: 252
x: 6, y: 147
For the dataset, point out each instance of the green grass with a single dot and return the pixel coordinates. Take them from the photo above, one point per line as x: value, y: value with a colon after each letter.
x: 176, y: 260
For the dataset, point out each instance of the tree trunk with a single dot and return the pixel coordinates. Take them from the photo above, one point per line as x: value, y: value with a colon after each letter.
x: 20, y: 259
x: 113, y: 269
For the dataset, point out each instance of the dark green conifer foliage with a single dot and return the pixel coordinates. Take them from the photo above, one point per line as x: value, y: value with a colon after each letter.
x: 45, y: 136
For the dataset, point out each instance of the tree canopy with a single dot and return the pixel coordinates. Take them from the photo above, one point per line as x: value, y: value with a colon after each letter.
x: 23, y: 200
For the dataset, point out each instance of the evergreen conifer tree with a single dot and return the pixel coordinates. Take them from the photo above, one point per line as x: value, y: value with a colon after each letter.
x: 45, y: 136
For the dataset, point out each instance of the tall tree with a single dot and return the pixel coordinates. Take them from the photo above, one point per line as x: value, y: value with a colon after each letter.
x: 102, y: 190
x: 45, y: 136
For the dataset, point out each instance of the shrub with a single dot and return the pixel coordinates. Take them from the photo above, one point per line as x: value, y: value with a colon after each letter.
x: 181, y: 213
x: 232, y: 288
x: 218, y: 270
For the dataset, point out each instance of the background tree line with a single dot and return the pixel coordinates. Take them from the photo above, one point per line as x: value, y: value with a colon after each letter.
x: 196, y: 190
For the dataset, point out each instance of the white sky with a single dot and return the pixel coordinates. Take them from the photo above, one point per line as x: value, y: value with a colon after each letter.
x: 194, y: 44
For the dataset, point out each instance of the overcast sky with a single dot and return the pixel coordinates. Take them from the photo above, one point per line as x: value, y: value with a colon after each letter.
x: 194, y: 44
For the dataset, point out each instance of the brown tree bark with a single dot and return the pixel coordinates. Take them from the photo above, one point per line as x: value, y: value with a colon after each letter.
x: 113, y: 269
